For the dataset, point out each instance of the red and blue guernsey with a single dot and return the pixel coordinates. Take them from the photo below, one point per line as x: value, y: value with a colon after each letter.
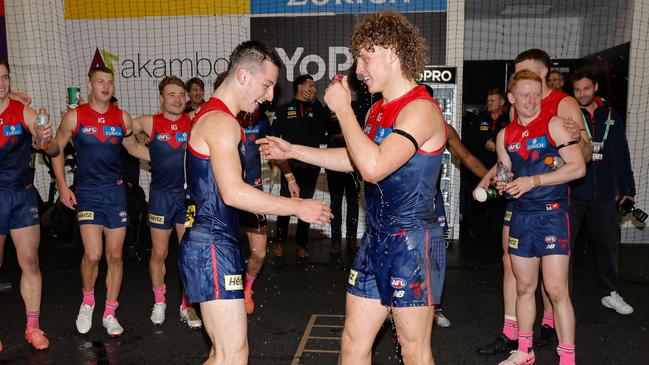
x: 255, y: 126
x: 15, y: 148
x: 527, y: 147
x: 550, y: 103
x: 211, y: 215
x: 97, y: 140
x: 405, y: 199
x: 167, y: 145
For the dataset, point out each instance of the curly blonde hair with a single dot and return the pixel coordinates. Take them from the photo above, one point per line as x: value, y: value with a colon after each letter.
x: 392, y: 30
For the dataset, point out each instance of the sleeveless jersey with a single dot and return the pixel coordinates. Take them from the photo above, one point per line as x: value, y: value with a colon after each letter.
x: 550, y: 103
x: 210, y: 213
x: 527, y: 147
x: 167, y: 145
x: 15, y: 148
x: 97, y: 140
x: 255, y: 126
x: 404, y: 200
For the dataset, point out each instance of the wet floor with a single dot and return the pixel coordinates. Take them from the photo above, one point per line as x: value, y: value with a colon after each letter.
x: 300, y: 311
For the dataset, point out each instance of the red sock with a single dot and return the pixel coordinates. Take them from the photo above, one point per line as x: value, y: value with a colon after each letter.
x: 185, y: 302
x: 159, y: 294
x: 510, y: 328
x: 249, y: 281
x: 111, y: 307
x: 566, y: 354
x: 89, y: 297
x: 548, y: 319
x: 32, y: 319
x: 525, y: 342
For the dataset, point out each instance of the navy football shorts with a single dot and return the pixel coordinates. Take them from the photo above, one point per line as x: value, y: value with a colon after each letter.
x: 538, y: 234
x: 105, y: 206
x: 19, y: 209
x: 166, y: 208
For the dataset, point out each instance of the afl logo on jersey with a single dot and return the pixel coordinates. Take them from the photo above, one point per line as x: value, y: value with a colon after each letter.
x: 163, y: 137
x: 514, y: 147
x: 89, y: 130
x: 397, y: 283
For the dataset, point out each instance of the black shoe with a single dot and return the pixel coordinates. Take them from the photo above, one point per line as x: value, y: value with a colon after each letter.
x: 546, y: 336
x: 501, y: 345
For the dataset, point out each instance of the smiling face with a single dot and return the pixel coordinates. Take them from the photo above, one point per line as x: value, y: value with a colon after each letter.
x: 526, y: 97
x: 5, y: 82
x: 585, y: 90
x: 196, y: 94
x: 371, y: 66
x: 102, y: 86
x: 259, y: 85
x: 173, y: 99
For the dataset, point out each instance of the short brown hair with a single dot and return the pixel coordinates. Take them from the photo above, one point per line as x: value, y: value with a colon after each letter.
x: 103, y: 69
x: 389, y: 29
x: 4, y: 63
x: 498, y: 92
x: 253, y: 53
x: 520, y: 76
x: 194, y: 81
x: 170, y: 80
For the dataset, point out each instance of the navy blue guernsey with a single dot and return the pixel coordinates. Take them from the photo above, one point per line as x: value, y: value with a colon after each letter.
x: 527, y: 147
x: 97, y: 140
x: 255, y: 126
x: 404, y: 200
x: 167, y: 145
x: 207, y: 212
x: 15, y: 148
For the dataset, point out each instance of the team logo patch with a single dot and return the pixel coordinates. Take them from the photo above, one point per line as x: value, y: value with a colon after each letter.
x: 351, y: 280
x: 12, y: 130
x: 513, y: 147
x: 89, y: 130
x: 550, y: 239
x: 512, y: 242
x: 397, y: 283
x: 157, y: 219
x: 508, y: 216
x: 181, y: 137
x: 233, y: 282
x: 415, y: 288
x: 112, y: 131
x: 163, y: 137
x: 86, y: 216
x: 398, y: 293
x: 535, y: 155
x: 536, y: 143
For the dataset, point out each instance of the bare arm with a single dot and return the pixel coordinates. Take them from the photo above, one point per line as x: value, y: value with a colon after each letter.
x: 458, y: 150
x: 142, y: 124
x: 131, y: 143
x: 63, y: 136
x: 222, y: 136
x: 44, y: 132
x: 275, y: 148
x: 570, y: 111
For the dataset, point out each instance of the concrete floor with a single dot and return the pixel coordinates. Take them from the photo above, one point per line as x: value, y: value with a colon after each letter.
x: 300, y: 308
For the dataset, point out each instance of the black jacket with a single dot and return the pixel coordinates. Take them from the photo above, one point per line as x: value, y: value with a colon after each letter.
x: 611, y: 177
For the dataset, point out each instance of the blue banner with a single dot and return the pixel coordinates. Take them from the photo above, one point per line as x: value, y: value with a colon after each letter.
x: 344, y: 6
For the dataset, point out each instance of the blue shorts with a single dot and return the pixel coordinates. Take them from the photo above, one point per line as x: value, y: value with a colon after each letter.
x: 105, y: 206
x: 404, y: 269
x: 538, y: 234
x: 166, y: 209
x: 508, y: 214
x: 211, y: 268
x: 19, y: 209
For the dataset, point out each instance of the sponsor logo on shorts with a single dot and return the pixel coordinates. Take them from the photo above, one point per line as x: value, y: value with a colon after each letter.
x: 189, y: 215
x: 398, y: 293
x: 550, y: 239
x: 233, y: 282
x: 112, y: 131
x: 163, y: 137
x: 512, y: 242
x: 397, y: 283
x: 89, y: 130
x: 86, y: 216
x: 536, y: 143
x: 550, y: 246
x: 508, y: 216
x: 513, y: 147
x: 353, y: 274
x: 157, y: 219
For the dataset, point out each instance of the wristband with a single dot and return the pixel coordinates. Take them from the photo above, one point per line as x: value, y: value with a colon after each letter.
x: 537, y: 180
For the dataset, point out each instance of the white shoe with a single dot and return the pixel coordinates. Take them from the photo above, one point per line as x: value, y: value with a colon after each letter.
x: 112, y: 326
x: 519, y: 358
x: 189, y: 316
x: 84, y: 318
x: 617, y: 303
x: 158, y: 313
x: 440, y: 320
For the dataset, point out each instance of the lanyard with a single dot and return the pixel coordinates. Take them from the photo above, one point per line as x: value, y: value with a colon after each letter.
x: 608, y: 123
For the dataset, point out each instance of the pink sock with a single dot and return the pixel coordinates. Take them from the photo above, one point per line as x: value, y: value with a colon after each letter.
x: 159, y: 294
x: 111, y: 307
x: 510, y: 328
x: 548, y: 319
x: 566, y: 354
x: 249, y: 281
x: 89, y: 297
x: 185, y: 302
x: 525, y: 342
x: 32, y: 319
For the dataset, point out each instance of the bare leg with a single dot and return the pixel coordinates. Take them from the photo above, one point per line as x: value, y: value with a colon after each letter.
x: 226, y: 325
x: 363, y: 320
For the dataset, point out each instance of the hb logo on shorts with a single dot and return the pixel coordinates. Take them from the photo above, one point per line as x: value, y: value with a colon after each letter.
x: 233, y: 282
x: 85, y: 216
x: 513, y: 242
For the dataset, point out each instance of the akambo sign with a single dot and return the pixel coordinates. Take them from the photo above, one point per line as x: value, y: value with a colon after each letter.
x: 141, y: 66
